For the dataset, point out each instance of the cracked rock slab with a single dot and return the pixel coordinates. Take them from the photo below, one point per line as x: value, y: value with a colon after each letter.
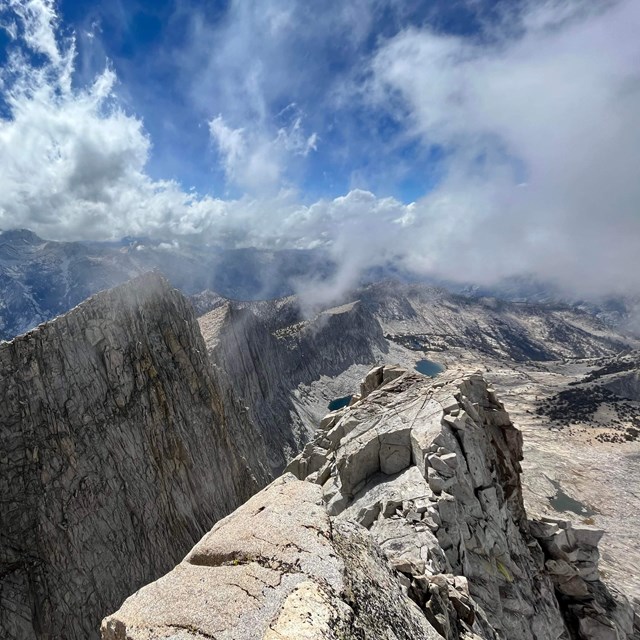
x: 241, y: 577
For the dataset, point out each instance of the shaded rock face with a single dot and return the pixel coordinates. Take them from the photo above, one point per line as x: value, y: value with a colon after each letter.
x: 571, y: 556
x: 406, y: 521
x: 259, y: 364
x: 250, y: 368
x: 116, y: 457
x: 625, y: 385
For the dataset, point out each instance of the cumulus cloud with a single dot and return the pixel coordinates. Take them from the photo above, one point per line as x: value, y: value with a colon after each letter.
x: 254, y: 161
x: 535, y: 121
x: 72, y: 160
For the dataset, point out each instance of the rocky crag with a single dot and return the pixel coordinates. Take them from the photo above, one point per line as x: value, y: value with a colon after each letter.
x: 403, y: 518
x: 263, y: 352
x: 540, y: 358
x: 116, y: 453
x: 284, y: 367
x: 122, y: 442
x: 428, y: 318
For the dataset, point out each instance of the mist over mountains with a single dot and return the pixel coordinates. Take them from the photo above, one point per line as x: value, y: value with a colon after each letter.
x: 466, y: 143
x: 40, y: 279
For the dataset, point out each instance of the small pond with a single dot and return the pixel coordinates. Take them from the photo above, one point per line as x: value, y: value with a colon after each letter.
x: 429, y: 368
x: 563, y: 502
x: 338, y: 403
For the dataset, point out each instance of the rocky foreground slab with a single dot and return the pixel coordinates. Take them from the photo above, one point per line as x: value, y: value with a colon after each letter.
x: 403, y: 518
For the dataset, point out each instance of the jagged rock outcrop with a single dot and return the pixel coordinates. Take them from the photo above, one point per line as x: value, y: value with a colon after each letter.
x: 115, y: 454
x: 571, y: 559
x: 277, y: 568
x: 406, y: 521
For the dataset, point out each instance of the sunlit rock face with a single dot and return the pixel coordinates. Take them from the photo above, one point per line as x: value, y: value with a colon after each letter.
x: 403, y: 518
x: 116, y: 457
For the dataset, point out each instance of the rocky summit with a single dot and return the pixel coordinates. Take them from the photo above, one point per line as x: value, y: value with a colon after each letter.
x: 402, y: 518
x: 129, y: 428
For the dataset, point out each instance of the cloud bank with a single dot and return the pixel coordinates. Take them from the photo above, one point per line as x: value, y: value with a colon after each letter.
x: 534, y: 120
x: 543, y: 140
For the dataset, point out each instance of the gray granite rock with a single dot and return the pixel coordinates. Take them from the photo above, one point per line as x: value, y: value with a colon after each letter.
x: 397, y: 556
x: 116, y: 455
x: 263, y: 353
x: 277, y: 568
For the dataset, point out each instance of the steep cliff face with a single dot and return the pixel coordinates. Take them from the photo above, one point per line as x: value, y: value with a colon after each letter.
x: 116, y: 456
x: 406, y: 521
x: 263, y: 353
x: 251, y: 371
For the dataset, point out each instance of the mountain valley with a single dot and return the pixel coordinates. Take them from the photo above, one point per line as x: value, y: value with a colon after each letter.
x: 260, y: 376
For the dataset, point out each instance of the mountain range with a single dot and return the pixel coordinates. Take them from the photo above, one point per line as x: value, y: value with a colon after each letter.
x: 41, y: 279
x: 135, y: 422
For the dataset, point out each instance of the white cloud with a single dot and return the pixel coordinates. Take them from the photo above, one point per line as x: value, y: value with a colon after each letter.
x: 542, y: 139
x: 250, y: 160
x: 231, y: 144
x: 539, y: 128
x: 72, y: 161
x: 255, y: 161
x: 38, y: 18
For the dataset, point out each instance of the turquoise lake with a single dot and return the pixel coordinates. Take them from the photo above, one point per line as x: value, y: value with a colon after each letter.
x: 563, y: 502
x: 429, y: 368
x: 338, y: 403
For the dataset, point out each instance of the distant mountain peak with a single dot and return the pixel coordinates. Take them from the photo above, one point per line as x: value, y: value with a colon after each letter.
x: 17, y: 235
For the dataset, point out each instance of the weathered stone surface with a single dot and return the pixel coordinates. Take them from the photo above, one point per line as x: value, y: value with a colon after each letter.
x: 262, y: 564
x: 383, y: 609
x: 467, y: 454
x: 263, y: 353
x: 387, y: 494
x: 276, y: 568
x: 591, y: 610
x: 371, y: 555
x: 116, y: 456
x: 371, y: 382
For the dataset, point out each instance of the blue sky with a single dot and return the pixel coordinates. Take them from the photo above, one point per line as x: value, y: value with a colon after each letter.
x: 157, y: 48
x: 465, y: 139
